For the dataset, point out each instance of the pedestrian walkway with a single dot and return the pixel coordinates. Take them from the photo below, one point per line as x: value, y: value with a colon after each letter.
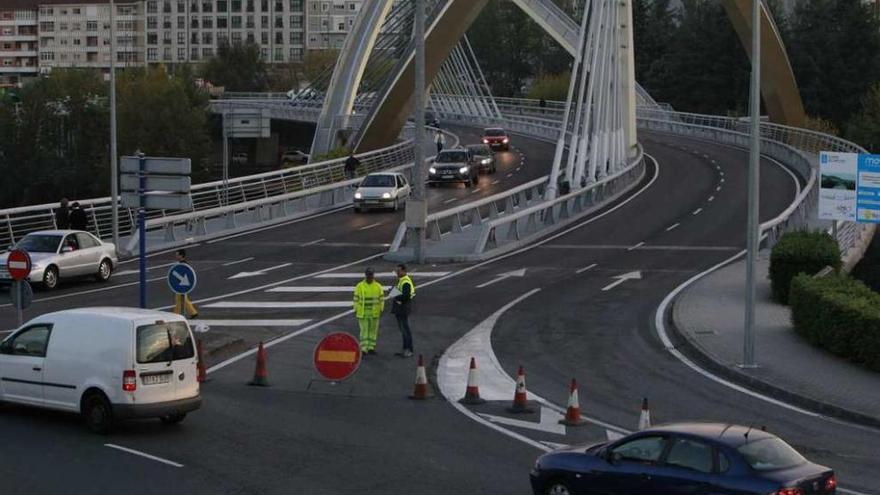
x: 709, y: 316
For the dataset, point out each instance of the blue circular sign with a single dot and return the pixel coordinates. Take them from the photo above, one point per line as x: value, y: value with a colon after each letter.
x: 182, y: 278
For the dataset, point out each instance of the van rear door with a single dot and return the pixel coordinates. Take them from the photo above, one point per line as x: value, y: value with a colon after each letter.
x: 154, y: 358
x: 185, y: 361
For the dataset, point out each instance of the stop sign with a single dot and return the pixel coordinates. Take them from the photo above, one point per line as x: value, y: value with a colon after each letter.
x: 19, y: 264
x: 337, y: 356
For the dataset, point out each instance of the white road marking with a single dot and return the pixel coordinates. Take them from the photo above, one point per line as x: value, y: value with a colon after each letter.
x: 351, y: 275
x: 143, y: 454
x: 509, y: 175
x: 711, y: 198
x: 159, y: 253
x: 495, y: 182
x: 672, y: 227
x: 278, y: 305
x: 475, y: 191
x: 258, y: 273
x: 313, y: 289
x: 621, y: 279
x: 149, y: 268
x: 254, y: 323
x: 649, y: 248
x: 450, y: 200
x: 367, y: 227
x: 245, y: 260
x: 515, y: 273
x: 587, y: 268
x: 721, y: 181
x: 697, y: 211
x: 705, y: 156
x: 548, y: 422
x: 518, y: 169
x: 313, y: 242
x: 718, y: 188
x: 636, y: 246
x: 721, y: 173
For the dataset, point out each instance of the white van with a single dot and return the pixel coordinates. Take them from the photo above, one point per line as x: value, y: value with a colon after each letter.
x: 107, y: 364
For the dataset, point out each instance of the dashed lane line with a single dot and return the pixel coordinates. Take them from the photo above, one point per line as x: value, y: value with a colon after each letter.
x: 636, y: 246
x: 245, y: 260
x: 255, y: 323
x: 143, y: 454
x: 317, y: 241
x: 372, y: 225
x: 672, y: 227
x: 586, y: 268
x: 697, y: 211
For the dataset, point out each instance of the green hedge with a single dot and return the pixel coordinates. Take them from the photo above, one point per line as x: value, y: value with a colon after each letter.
x: 839, y: 314
x: 800, y: 252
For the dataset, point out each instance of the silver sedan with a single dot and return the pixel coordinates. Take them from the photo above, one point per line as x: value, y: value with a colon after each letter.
x: 63, y: 254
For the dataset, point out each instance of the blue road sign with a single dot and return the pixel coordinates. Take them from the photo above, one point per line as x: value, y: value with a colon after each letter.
x: 181, y: 278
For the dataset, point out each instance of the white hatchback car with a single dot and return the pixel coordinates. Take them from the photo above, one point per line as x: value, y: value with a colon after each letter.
x: 106, y: 364
x: 382, y: 190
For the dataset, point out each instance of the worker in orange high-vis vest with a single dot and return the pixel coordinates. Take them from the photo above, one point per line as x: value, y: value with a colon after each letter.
x: 369, y: 301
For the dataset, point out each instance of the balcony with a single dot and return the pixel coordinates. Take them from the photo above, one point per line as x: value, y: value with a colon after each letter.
x: 31, y: 69
x: 19, y: 53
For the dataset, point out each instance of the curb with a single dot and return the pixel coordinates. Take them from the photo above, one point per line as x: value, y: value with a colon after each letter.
x: 692, y: 350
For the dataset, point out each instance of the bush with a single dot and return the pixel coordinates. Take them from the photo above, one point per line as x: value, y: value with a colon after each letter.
x: 800, y: 252
x: 839, y: 314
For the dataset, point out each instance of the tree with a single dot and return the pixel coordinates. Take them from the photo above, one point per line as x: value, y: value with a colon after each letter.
x: 237, y: 67
x: 653, y: 32
x: 550, y: 87
x: 865, y: 127
x: 318, y: 64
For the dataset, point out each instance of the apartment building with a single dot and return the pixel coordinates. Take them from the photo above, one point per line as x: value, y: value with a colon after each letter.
x: 76, y: 33
x: 186, y: 31
x: 329, y: 22
x: 18, y: 42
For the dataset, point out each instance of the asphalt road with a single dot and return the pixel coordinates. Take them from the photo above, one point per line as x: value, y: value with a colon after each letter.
x: 364, y: 436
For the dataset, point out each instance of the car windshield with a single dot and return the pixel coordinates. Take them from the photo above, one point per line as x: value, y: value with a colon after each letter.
x: 769, y: 454
x: 378, y: 181
x: 39, y: 243
x: 164, y: 342
x: 452, y: 157
x: 494, y: 132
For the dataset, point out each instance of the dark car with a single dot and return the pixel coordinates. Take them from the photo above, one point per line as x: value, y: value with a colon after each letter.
x: 687, y: 458
x: 482, y: 157
x: 496, y: 138
x: 453, y: 166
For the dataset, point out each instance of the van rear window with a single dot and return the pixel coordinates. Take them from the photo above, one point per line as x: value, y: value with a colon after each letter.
x: 164, y: 342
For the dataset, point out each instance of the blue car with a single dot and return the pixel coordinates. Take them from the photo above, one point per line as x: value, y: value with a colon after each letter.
x: 686, y: 458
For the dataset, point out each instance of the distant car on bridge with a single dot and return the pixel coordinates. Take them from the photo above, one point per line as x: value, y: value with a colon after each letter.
x: 496, y: 138
x: 482, y: 157
x: 712, y: 458
x: 296, y: 157
x: 453, y: 166
x: 382, y: 190
x: 240, y: 158
x: 63, y: 254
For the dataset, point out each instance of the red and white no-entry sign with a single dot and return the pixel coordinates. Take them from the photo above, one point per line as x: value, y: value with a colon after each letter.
x: 19, y: 264
x: 337, y: 356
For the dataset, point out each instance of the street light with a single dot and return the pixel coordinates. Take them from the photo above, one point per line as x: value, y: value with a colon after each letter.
x: 416, y: 208
x: 753, y: 234
x: 114, y: 170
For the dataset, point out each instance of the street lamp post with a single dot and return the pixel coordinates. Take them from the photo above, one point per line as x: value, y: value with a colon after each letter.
x: 114, y: 170
x: 416, y: 208
x: 753, y: 233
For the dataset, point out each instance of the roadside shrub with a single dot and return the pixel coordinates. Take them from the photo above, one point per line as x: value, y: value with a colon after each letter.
x: 839, y: 314
x: 800, y: 252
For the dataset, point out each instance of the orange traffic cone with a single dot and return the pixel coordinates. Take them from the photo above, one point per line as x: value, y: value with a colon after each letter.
x: 420, y: 392
x: 472, y: 394
x: 202, y: 375
x: 520, y: 398
x: 645, y: 417
x: 261, y: 376
x: 573, y: 411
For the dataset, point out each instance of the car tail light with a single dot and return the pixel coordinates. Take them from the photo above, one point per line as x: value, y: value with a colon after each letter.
x: 129, y: 381
x: 790, y: 491
x: 831, y: 483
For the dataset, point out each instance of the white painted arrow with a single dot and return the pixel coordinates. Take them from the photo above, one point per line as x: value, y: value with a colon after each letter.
x: 623, y: 278
x: 549, y: 422
x: 516, y: 273
x: 258, y: 273
x: 183, y: 280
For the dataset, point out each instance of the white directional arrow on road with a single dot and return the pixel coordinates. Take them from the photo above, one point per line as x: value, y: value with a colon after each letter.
x: 516, y: 273
x: 549, y: 422
x: 623, y: 278
x: 258, y: 273
x: 183, y: 280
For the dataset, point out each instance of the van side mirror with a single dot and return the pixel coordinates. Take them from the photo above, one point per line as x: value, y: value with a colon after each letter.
x: 6, y: 347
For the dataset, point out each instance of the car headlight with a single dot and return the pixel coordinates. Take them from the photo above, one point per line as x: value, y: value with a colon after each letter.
x: 463, y: 170
x: 432, y: 170
x: 485, y: 141
x: 486, y: 161
x: 386, y: 195
x: 505, y: 140
x: 358, y: 195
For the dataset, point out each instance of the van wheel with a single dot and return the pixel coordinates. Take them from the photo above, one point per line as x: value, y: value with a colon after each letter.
x: 50, y: 278
x: 98, y: 413
x: 105, y: 269
x: 172, y: 419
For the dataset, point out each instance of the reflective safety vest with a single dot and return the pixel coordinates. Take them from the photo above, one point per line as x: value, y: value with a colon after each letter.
x: 369, y: 299
x: 407, y: 280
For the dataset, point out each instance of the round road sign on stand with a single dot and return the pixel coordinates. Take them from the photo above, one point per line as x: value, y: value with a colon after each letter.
x: 337, y: 356
x: 182, y: 278
x: 22, y: 295
x: 18, y: 264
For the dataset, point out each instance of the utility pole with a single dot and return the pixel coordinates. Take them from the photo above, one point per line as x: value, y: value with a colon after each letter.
x: 753, y: 234
x: 114, y: 169
x: 416, y: 207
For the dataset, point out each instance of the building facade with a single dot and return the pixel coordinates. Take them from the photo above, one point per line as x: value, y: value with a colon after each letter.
x: 19, y: 41
x: 329, y: 22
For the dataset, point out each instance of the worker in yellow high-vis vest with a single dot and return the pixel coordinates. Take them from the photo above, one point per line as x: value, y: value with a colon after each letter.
x: 369, y: 301
x: 402, y: 307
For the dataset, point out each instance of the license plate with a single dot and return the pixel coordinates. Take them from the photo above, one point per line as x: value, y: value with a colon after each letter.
x: 156, y: 379
x: 446, y: 177
x: 372, y: 202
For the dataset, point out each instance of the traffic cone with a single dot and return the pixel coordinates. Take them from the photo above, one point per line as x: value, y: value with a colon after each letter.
x: 520, y: 398
x: 261, y: 376
x: 645, y: 417
x: 472, y: 394
x: 573, y: 411
x: 420, y: 392
x: 202, y: 375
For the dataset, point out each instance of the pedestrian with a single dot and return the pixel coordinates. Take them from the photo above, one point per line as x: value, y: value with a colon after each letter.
x: 403, y: 307
x: 369, y: 301
x: 439, y: 140
x: 62, y: 215
x: 351, y: 166
x: 79, y: 220
x: 182, y: 304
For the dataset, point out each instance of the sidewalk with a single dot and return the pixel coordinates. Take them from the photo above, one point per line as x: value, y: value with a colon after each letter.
x: 708, y: 319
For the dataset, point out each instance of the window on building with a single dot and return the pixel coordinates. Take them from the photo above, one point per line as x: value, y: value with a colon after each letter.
x: 152, y: 39
x: 152, y: 23
x: 264, y: 5
x: 152, y: 54
x: 181, y: 54
x: 195, y: 23
x: 236, y: 38
x: 126, y: 10
x: 249, y: 22
x: 222, y: 39
x: 77, y: 11
x: 207, y: 39
x: 296, y: 22
x: 166, y: 54
x: 236, y: 22
x: 249, y: 5
x: 77, y: 42
x: 264, y: 38
x: 279, y: 54
x: 47, y: 27
x: 264, y: 21
x: 340, y: 26
x: 194, y: 54
x: 222, y: 6
x: 181, y: 22
x: 181, y: 7
x: 181, y: 38
x: 296, y: 38
x: 207, y: 6
x: 279, y: 38
x: 296, y: 5
x: 194, y: 38
x: 264, y: 53
x: 279, y: 6
x: 62, y: 26
x: 91, y: 26
x: 279, y: 22
x: 166, y: 38
x: 296, y: 55
x: 47, y: 56
x: 222, y: 23
x: 250, y: 37
x: 152, y: 7
x: 207, y: 22
x: 166, y: 7
x: 236, y: 5
x: 207, y: 52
